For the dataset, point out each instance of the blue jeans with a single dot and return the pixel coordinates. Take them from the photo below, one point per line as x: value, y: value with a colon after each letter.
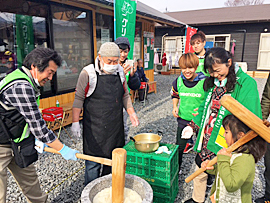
x: 126, y: 128
x: 93, y: 169
x: 190, y: 141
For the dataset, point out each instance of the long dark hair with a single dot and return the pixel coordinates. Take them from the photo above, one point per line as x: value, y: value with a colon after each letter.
x: 218, y: 55
x: 256, y: 146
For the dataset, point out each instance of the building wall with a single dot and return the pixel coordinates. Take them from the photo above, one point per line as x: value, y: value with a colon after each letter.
x: 253, y: 31
x: 251, y: 49
x: 159, y: 32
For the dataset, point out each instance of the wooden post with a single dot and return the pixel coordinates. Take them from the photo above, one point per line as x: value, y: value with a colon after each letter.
x: 119, y: 157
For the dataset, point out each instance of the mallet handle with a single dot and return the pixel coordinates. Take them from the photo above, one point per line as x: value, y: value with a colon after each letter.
x: 104, y: 161
x: 246, y: 116
x: 249, y: 136
x: 243, y: 140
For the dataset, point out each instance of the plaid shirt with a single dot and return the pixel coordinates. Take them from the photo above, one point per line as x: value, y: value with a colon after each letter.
x: 22, y: 97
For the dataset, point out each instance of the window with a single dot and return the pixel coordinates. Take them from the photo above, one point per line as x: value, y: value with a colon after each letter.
x: 137, y: 41
x: 173, y: 45
x: 264, y: 52
x: 218, y: 41
x: 22, y: 29
x: 104, y: 27
x: 72, y: 39
x: 170, y: 45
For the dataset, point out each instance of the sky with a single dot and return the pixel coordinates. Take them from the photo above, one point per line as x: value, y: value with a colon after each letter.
x: 184, y: 5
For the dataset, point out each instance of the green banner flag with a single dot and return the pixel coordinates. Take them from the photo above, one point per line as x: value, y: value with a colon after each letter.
x: 24, y: 37
x: 125, y: 21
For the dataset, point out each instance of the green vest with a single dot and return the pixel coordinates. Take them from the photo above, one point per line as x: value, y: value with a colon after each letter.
x: 127, y: 79
x: 201, y: 67
x: 15, y: 77
x: 190, y: 98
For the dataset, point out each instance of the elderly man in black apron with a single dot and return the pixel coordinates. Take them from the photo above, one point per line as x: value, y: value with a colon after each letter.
x: 102, y: 92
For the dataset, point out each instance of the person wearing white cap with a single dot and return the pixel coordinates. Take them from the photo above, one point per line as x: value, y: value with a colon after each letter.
x: 102, y: 92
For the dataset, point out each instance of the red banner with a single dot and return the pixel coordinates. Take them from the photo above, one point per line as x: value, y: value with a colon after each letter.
x: 189, y: 32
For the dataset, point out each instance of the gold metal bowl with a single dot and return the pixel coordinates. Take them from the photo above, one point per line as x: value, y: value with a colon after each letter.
x: 147, y: 142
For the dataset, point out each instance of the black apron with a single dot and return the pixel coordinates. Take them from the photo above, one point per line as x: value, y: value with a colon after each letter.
x: 103, y: 128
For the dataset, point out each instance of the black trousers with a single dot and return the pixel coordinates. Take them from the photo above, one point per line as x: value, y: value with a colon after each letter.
x: 267, y: 171
x: 182, y: 144
x: 142, y: 92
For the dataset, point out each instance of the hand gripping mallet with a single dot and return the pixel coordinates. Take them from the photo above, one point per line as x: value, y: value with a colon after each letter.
x: 118, y: 164
x: 251, y: 120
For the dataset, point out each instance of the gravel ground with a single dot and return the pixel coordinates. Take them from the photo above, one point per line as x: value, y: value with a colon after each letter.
x: 63, y: 180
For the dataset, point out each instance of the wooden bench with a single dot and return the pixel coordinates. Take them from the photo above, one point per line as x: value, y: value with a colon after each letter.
x: 258, y: 74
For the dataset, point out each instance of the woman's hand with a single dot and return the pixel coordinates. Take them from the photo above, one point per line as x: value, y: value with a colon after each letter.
x: 135, y: 66
x: 126, y: 68
x: 204, y: 165
x: 223, y: 151
x: 132, y: 71
x: 175, y: 112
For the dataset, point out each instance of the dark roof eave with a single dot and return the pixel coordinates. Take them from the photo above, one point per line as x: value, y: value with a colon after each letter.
x: 160, y: 19
x: 143, y: 14
x: 231, y: 22
x: 104, y: 2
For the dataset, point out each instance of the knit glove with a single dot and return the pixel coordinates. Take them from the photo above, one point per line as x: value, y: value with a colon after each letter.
x: 40, y: 146
x: 68, y: 154
x: 76, y: 129
x: 187, y: 132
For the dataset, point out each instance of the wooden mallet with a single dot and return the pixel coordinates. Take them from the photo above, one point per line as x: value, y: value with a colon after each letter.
x: 251, y: 120
x: 118, y: 164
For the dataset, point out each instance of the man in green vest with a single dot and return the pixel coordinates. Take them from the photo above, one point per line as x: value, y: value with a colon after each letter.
x: 20, y: 91
x: 197, y: 42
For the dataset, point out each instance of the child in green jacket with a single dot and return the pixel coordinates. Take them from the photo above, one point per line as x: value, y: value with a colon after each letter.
x: 235, y: 171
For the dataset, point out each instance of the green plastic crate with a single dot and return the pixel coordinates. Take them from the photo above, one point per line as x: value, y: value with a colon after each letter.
x: 164, y: 194
x: 156, y: 168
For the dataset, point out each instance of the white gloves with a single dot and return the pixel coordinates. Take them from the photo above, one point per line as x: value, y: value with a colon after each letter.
x: 134, y: 119
x: 76, y: 129
x: 40, y: 146
x: 187, y: 132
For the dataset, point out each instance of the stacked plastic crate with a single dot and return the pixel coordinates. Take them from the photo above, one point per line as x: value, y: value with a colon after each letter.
x: 159, y: 170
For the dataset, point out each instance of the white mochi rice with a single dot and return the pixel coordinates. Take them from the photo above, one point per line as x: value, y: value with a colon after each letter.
x: 105, y: 195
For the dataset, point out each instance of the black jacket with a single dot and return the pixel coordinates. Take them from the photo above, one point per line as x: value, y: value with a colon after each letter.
x: 134, y: 82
